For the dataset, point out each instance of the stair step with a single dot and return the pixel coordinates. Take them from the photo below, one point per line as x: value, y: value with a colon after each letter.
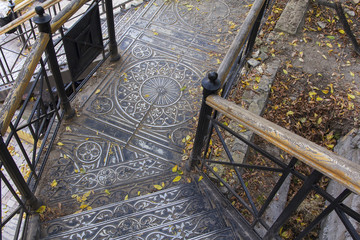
x: 186, y: 228
x: 118, y: 209
x: 223, y: 234
x: 120, y: 220
x: 113, y: 194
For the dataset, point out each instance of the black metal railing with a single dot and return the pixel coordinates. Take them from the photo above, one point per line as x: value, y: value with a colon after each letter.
x: 45, y: 103
x: 19, y: 38
x: 309, y: 183
x: 304, y: 163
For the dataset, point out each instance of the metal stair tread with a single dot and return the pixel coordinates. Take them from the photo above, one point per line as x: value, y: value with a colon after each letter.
x: 183, y: 205
x: 177, y: 190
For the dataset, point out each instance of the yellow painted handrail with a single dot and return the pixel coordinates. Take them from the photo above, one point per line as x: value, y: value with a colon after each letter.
x: 239, y: 41
x: 22, y: 5
x: 31, y: 13
x: 14, y: 97
x: 328, y: 163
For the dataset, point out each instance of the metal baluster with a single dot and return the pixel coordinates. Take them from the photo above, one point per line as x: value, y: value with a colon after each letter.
x: 111, y: 31
x: 211, y: 84
x: 43, y: 22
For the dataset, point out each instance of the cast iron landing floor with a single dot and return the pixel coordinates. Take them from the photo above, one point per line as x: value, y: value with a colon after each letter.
x: 116, y: 159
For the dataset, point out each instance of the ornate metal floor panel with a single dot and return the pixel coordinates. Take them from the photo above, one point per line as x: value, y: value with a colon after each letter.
x: 129, y: 134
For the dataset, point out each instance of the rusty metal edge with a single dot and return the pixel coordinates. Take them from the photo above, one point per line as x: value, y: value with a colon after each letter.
x: 328, y: 163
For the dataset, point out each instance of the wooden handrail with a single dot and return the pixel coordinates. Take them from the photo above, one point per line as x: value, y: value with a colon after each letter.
x: 65, y: 14
x: 31, y: 13
x: 22, y: 5
x: 328, y: 163
x: 239, y: 41
x: 14, y: 97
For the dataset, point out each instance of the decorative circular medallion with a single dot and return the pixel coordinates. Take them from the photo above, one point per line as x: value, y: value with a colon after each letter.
x: 167, y: 17
x: 205, y: 16
x: 179, y: 134
x: 101, y: 105
x: 106, y: 176
x: 159, y: 93
x: 88, y: 152
x: 142, y: 51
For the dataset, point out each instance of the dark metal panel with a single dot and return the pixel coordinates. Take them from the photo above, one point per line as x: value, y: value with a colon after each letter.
x: 83, y: 42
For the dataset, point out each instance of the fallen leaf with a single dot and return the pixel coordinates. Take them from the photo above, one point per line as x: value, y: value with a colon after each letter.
x: 60, y: 144
x: 97, y: 91
x: 158, y: 187
x: 126, y: 197
x: 54, y: 183
x: 174, y: 169
x: 200, y: 178
x: 107, y: 192
x: 177, y: 178
x: 41, y: 209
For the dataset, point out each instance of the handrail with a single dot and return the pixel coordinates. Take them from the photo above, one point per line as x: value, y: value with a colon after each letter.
x: 22, y: 5
x: 14, y: 97
x: 65, y: 14
x: 239, y: 41
x: 328, y: 163
x: 27, y: 16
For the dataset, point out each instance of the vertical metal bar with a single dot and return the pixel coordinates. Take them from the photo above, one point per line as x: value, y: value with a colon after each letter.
x: 17, y: 177
x: 348, y: 225
x: 293, y: 204
x: 43, y: 22
x: 14, y: 14
x: 211, y: 84
x: 111, y: 31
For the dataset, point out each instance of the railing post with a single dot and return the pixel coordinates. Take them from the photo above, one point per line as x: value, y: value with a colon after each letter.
x: 22, y: 38
x: 17, y: 178
x: 111, y: 31
x: 43, y: 22
x: 211, y: 84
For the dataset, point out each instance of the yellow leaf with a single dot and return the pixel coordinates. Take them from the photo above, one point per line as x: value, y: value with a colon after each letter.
x: 188, y: 180
x: 319, y: 99
x: 350, y: 96
x: 86, y: 139
x: 60, y: 144
x: 126, y: 197
x: 163, y: 184
x: 215, y: 169
x: 331, y: 88
x: 76, y: 171
x: 82, y: 206
x: 174, y: 169
x: 158, y: 187
x: 107, y: 192
x: 177, y: 178
x: 312, y: 93
x: 352, y: 74
x: 146, y: 95
x: 89, y: 208
x: 54, y: 183
x: 188, y: 138
x: 325, y: 91
x: 218, y: 61
x: 319, y: 120
x: 97, y: 91
x: 200, y: 178
x: 289, y: 113
x: 155, y: 33
x: 286, y: 72
x: 41, y: 209
x: 341, y: 31
x: 138, y: 193
x: 68, y: 129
